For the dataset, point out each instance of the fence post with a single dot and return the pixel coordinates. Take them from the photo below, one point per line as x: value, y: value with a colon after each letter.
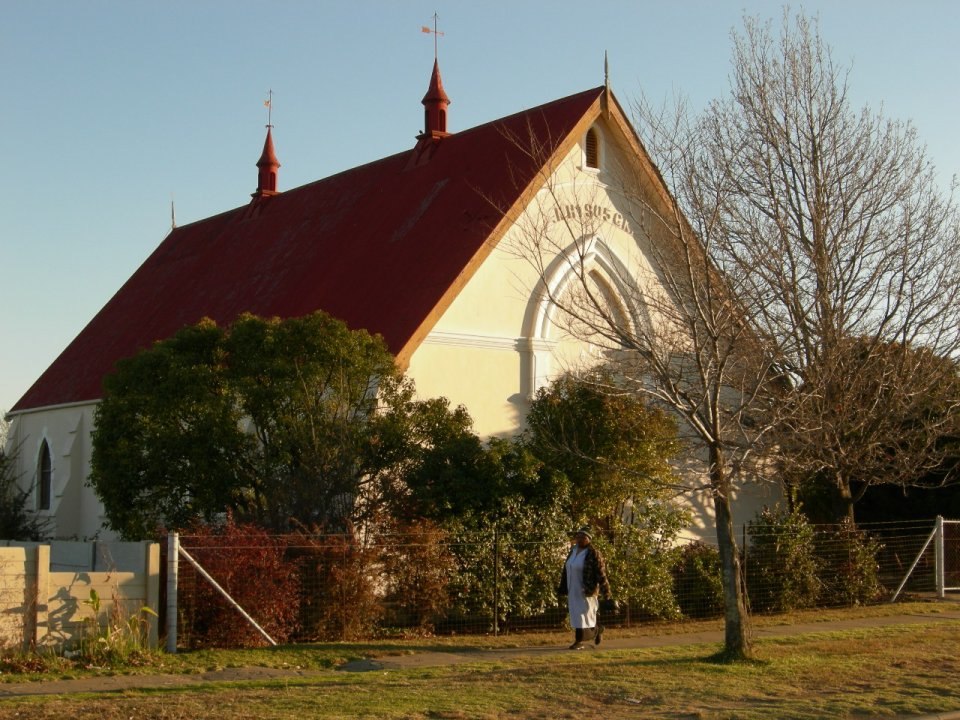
x: 173, y: 566
x: 151, y: 568
x: 41, y: 604
x: 939, y: 558
x: 496, y: 580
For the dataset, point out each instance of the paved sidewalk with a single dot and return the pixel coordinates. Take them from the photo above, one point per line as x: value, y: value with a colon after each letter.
x: 109, y: 684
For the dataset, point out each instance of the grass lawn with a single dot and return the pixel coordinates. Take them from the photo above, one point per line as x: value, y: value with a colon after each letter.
x: 892, y: 671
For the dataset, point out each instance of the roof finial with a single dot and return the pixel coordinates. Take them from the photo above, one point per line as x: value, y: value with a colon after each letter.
x: 173, y: 215
x: 267, y: 165
x: 268, y: 104
x: 436, y: 33
x: 605, y: 98
x: 435, y: 102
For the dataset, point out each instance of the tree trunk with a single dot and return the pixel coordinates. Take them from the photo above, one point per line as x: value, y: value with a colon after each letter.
x: 736, y: 636
x: 843, y: 507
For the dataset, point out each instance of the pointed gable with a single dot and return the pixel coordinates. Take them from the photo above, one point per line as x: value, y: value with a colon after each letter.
x: 384, y: 247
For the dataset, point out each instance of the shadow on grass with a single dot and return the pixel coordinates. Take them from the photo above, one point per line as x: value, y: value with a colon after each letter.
x: 727, y: 656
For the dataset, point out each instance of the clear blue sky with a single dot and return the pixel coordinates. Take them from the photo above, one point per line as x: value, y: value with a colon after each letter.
x: 116, y: 106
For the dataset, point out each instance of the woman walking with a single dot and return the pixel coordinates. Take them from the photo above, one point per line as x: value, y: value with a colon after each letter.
x: 584, y: 577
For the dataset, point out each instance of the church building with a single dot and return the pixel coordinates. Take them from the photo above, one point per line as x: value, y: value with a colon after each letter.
x: 424, y: 247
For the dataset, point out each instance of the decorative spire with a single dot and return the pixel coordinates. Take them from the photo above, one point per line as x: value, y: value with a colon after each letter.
x: 435, y: 102
x: 267, y: 164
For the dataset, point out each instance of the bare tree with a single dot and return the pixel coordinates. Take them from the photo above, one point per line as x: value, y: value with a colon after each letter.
x: 660, y: 315
x: 844, y: 253
x: 800, y: 246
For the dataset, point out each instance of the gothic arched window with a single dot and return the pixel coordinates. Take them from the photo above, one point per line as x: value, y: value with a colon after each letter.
x: 44, y: 477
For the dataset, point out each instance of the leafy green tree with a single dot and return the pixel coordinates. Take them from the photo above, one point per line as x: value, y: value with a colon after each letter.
x: 614, y: 451
x: 613, y: 448
x: 286, y: 423
x: 169, y: 447
x: 499, y: 507
x: 451, y: 472
x: 508, y: 532
x: 311, y: 390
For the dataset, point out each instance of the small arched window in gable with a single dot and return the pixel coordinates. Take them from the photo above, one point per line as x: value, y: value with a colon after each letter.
x: 592, y: 149
x: 44, y: 477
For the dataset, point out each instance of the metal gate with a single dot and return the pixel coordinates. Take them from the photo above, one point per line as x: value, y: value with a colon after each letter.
x: 946, y: 564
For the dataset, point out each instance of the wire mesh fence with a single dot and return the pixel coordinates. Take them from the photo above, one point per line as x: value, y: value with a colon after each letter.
x: 303, y: 588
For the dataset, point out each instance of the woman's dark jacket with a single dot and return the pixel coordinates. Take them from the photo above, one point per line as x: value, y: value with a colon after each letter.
x: 594, y: 574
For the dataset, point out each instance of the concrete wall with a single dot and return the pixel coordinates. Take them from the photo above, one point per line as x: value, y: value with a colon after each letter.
x: 44, y: 607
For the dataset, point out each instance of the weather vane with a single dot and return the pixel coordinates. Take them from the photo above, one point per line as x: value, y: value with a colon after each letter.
x: 268, y: 104
x: 436, y: 33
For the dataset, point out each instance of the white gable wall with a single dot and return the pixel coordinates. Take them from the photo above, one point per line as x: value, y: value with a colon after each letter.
x: 501, y: 339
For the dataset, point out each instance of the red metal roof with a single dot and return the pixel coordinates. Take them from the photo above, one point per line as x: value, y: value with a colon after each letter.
x: 380, y: 246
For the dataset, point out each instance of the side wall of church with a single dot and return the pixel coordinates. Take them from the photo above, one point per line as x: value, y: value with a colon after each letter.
x: 75, y: 512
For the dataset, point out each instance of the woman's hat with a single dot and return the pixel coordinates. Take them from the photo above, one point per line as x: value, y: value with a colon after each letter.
x: 585, y: 530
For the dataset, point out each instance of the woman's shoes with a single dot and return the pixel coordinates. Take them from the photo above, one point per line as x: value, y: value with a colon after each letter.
x: 598, y: 635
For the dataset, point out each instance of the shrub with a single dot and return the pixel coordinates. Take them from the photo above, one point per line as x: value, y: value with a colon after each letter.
x: 639, y: 563
x: 511, y: 574
x: 417, y: 566
x: 252, y: 567
x: 532, y: 552
x: 338, y: 598
x: 114, y: 637
x: 17, y: 521
x: 781, y: 562
x: 698, y: 581
x: 847, y: 559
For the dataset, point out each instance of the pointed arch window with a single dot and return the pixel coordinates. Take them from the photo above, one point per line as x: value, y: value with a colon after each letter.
x: 588, y: 288
x: 592, y: 149
x: 44, y: 477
